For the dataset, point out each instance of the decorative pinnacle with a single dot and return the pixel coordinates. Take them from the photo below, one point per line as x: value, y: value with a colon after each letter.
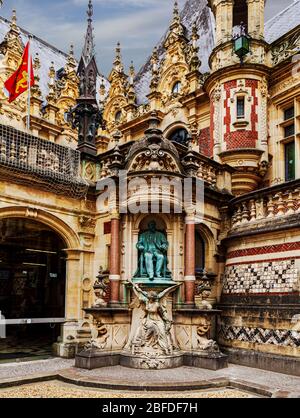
x: 90, y: 10
x: 131, y: 73
x: 13, y: 24
x: 71, y: 52
x: 195, y: 35
x: 118, y: 59
x: 176, y: 16
x: 36, y: 62
x: 154, y: 60
x: 52, y: 73
x: 176, y: 25
x: 71, y: 63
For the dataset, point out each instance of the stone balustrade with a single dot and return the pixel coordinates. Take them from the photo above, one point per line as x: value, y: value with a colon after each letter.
x: 267, y: 205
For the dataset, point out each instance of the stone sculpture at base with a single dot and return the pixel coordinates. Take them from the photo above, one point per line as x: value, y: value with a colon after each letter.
x: 151, y: 335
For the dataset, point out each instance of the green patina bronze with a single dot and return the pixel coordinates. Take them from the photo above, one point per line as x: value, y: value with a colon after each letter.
x: 153, y: 254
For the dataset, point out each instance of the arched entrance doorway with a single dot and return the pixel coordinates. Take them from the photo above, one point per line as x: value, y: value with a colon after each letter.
x: 32, y: 286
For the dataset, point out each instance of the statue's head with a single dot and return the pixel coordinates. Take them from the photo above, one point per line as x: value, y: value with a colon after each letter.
x: 152, y: 296
x: 152, y: 226
x: 204, y: 326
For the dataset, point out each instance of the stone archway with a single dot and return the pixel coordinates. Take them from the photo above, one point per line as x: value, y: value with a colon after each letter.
x: 71, y: 248
x: 67, y: 234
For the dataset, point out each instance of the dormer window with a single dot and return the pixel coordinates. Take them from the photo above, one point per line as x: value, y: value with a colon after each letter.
x: 118, y: 116
x: 176, y: 88
x: 180, y: 136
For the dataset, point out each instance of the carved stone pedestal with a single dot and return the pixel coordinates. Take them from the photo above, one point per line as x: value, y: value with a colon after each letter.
x: 152, y: 335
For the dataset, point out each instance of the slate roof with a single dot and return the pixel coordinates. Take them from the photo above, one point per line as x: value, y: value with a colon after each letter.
x: 283, y: 22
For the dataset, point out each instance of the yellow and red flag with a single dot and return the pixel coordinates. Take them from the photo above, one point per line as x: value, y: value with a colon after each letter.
x: 18, y: 82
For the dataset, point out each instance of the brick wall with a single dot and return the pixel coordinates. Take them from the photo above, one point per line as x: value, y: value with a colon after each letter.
x: 205, y: 142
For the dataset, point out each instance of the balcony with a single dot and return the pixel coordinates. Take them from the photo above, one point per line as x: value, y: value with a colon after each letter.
x: 34, y: 162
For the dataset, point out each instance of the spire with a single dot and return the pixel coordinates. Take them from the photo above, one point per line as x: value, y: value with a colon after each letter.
x: 89, y: 48
x: 86, y: 115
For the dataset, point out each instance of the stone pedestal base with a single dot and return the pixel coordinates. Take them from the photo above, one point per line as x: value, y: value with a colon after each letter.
x: 64, y: 350
x: 202, y: 360
x: 96, y: 359
x: 135, y: 361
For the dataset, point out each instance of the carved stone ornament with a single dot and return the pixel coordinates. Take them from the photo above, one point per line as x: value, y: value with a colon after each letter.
x: 151, y: 336
x: 203, y: 343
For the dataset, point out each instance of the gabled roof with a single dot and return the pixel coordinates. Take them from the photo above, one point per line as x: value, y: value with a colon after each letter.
x: 193, y: 11
x: 283, y: 22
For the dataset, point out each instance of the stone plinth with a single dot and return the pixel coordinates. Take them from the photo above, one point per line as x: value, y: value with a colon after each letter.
x: 96, y: 359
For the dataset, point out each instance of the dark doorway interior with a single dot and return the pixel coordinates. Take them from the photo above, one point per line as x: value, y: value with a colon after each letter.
x: 32, y: 284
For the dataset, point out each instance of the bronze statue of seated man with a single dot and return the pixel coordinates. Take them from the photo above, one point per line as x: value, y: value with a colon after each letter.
x: 153, y: 247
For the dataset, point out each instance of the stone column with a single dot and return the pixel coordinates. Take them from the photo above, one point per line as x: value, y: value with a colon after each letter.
x: 115, y: 277
x: 190, y: 266
x: 73, y: 309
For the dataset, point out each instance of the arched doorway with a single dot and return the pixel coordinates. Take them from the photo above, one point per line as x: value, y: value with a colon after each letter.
x: 32, y: 286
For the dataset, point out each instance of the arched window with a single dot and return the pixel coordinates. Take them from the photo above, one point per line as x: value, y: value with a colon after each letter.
x: 240, y: 16
x: 176, y: 88
x: 180, y: 136
x: 118, y: 116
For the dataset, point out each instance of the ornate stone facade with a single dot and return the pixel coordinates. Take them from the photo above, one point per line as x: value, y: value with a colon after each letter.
x: 228, y: 127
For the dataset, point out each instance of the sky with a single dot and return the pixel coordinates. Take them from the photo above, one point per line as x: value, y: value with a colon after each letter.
x: 137, y: 24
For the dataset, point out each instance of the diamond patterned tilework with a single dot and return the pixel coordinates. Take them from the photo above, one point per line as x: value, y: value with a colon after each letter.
x: 264, y: 277
x: 261, y: 336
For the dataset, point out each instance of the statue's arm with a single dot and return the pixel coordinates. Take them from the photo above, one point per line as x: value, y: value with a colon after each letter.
x: 141, y: 244
x: 168, y: 291
x: 164, y: 242
x: 143, y: 296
